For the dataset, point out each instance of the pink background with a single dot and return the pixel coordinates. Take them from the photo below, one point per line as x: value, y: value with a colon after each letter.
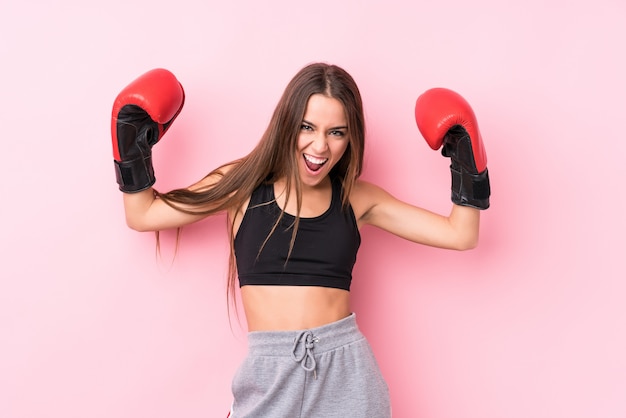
x: 530, y: 324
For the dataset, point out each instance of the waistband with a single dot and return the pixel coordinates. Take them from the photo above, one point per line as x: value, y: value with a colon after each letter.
x: 302, y: 345
x: 327, y: 337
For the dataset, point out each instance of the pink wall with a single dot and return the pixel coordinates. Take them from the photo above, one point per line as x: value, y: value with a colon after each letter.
x: 530, y: 324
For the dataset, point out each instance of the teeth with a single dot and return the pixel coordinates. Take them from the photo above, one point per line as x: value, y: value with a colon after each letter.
x: 315, y: 160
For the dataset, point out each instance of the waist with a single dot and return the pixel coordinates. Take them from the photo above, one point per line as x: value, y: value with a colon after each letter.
x: 282, y: 308
x: 327, y: 337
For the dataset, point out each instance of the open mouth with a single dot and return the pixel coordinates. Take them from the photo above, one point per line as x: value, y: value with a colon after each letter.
x: 314, y: 163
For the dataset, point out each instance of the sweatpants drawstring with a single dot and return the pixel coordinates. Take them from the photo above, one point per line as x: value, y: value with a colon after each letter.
x: 306, y: 359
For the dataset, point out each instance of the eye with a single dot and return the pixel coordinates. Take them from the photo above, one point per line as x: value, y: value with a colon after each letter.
x: 337, y: 133
x: 306, y: 127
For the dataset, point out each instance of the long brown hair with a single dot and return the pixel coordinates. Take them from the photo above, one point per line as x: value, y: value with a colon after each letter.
x: 274, y: 157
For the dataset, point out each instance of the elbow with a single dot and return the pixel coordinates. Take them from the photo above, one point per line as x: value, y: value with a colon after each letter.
x: 136, y: 224
x: 467, y: 243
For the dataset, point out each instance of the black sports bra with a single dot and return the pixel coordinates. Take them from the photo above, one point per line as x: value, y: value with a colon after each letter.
x: 323, y: 254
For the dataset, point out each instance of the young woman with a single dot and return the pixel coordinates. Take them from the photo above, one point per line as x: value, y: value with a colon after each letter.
x: 295, y: 206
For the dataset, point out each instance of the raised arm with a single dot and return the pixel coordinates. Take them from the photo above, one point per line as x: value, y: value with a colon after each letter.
x: 446, y: 121
x: 146, y: 212
x: 374, y: 206
x: 142, y: 113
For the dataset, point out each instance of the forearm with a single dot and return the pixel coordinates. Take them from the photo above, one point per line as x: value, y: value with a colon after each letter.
x: 145, y: 212
x: 136, y: 208
x: 465, y: 224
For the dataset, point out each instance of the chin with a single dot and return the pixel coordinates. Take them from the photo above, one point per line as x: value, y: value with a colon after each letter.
x: 312, y: 182
x: 313, y: 179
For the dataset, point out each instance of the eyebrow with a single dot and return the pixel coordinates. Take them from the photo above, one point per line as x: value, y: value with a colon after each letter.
x: 331, y: 129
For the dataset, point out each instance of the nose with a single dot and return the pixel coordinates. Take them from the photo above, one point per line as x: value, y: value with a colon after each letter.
x: 320, y: 143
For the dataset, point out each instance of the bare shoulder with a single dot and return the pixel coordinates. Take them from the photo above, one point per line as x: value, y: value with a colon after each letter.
x: 364, y: 198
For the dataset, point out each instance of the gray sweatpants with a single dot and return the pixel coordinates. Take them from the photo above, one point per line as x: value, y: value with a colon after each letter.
x: 322, y: 372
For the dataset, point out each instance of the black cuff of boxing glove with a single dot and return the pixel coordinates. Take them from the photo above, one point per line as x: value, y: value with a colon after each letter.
x: 470, y: 189
x: 135, y: 175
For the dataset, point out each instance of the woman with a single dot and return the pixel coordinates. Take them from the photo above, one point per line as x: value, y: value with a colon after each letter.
x: 295, y: 205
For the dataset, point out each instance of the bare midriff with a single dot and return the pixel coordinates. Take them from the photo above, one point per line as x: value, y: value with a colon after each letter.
x: 288, y: 308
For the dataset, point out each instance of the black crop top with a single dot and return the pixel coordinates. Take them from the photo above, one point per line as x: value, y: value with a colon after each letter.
x: 323, y: 254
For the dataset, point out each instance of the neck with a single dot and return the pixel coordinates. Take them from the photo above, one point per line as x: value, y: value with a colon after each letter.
x: 315, y: 199
x: 281, y: 186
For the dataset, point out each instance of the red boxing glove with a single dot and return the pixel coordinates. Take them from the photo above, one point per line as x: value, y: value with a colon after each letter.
x: 447, y: 121
x: 142, y: 113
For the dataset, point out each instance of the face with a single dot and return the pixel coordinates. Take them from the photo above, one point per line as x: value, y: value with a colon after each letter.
x: 323, y: 139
